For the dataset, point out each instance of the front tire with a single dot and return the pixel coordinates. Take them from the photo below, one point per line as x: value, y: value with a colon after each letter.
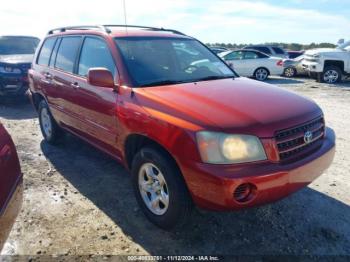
x: 160, y: 189
x: 289, y: 72
x: 331, y: 75
x: 49, y: 128
x: 261, y: 74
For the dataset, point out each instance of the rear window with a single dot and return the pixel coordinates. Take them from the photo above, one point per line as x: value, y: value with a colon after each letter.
x: 67, y: 53
x: 278, y: 50
x: 45, y: 51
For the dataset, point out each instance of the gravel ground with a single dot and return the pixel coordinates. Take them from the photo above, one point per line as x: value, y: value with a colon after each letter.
x: 78, y: 201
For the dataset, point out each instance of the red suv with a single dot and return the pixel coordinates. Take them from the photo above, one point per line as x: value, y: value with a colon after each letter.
x: 188, y: 128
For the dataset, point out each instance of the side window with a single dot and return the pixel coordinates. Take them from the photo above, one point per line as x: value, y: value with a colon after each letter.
x: 234, y: 56
x: 45, y: 51
x: 278, y: 50
x: 54, y: 53
x: 67, y: 53
x: 95, y: 53
x: 250, y: 55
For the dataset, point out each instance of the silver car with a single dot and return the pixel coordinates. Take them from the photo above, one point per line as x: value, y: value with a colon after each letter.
x: 293, y: 67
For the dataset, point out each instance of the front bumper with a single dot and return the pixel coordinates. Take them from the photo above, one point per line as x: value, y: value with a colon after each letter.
x: 312, y: 67
x: 212, y: 186
x: 9, y: 214
x: 13, y: 84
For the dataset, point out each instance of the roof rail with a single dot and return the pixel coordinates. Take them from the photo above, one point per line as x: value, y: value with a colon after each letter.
x: 147, y: 28
x: 81, y: 27
x: 106, y: 29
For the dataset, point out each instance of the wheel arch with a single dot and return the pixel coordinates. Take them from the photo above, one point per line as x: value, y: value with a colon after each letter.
x: 36, y: 98
x: 337, y: 63
x: 133, y: 144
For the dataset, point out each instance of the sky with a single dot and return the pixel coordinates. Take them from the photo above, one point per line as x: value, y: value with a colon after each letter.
x: 211, y: 21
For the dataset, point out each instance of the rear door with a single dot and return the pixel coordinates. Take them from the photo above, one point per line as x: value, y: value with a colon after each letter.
x: 236, y: 59
x: 251, y: 62
x: 64, y: 93
x: 95, y: 106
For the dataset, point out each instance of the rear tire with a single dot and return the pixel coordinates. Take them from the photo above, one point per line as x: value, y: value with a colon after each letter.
x: 49, y: 128
x: 331, y: 75
x: 261, y: 74
x: 160, y: 189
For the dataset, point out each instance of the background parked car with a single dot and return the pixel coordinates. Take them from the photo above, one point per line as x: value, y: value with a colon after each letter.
x: 16, y: 54
x: 218, y: 50
x: 253, y: 63
x: 295, y: 54
x: 10, y: 185
x: 294, y: 67
x: 328, y: 64
x: 269, y: 50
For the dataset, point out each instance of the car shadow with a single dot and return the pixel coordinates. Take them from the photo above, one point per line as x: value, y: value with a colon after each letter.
x: 16, y: 108
x: 308, y: 222
x: 284, y: 81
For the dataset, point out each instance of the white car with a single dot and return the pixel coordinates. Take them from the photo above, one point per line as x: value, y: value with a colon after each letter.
x: 328, y: 65
x: 253, y: 63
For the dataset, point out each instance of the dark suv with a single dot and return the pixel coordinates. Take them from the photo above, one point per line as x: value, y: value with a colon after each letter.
x: 16, y: 55
x: 188, y: 128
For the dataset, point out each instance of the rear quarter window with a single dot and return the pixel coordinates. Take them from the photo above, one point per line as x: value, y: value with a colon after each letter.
x: 278, y: 50
x: 67, y: 53
x: 45, y: 52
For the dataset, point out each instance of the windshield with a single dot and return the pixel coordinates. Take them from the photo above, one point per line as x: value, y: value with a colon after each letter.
x: 13, y: 45
x: 158, y: 60
x: 346, y: 46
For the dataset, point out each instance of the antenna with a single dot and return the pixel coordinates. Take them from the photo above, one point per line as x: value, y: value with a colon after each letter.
x: 125, y: 22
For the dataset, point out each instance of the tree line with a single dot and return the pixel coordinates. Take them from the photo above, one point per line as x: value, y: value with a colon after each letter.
x: 288, y: 46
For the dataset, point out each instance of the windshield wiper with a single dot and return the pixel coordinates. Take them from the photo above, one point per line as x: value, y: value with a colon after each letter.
x: 214, y: 78
x: 163, y: 82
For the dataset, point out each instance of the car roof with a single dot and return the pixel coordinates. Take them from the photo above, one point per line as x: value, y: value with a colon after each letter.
x: 119, y: 31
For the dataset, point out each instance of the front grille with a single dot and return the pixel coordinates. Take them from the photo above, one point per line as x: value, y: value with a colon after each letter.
x: 291, y: 143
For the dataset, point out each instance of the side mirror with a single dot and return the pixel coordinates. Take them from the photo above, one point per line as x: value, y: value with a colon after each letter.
x: 99, y: 76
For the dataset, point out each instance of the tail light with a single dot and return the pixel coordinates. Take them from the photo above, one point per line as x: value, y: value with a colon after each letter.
x: 280, y: 63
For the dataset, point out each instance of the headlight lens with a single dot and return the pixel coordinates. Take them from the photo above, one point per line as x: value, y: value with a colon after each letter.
x: 220, y: 148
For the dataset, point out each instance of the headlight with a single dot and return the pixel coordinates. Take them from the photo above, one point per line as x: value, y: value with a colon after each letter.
x: 220, y: 148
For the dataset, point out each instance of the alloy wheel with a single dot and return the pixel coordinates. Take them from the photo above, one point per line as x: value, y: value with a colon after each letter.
x: 153, y: 189
x: 330, y: 76
x: 261, y: 74
x: 289, y: 72
x: 46, y: 122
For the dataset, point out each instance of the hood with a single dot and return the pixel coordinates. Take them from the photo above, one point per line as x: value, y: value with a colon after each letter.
x: 16, y: 59
x: 239, y: 105
x: 323, y: 51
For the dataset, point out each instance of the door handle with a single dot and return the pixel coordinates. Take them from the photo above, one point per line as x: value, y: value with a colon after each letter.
x: 48, y: 76
x: 75, y: 85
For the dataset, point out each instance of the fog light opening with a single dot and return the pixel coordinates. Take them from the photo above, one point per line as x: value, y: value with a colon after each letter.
x: 244, y: 192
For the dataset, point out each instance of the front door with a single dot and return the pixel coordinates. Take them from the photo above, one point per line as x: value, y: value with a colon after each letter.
x: 95, y: 105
